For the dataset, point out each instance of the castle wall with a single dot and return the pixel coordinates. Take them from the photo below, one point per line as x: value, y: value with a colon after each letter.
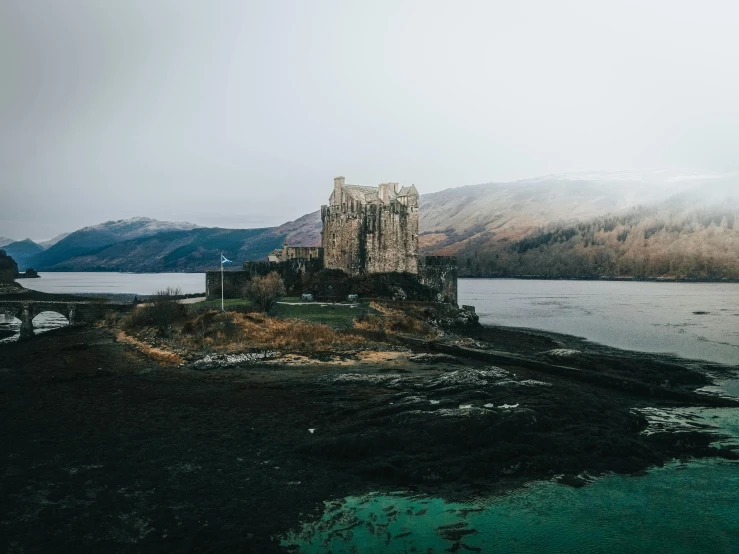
x: 440, y: 273
x: 233, y: 284
x: 293, y: 272
x: 301, y: 252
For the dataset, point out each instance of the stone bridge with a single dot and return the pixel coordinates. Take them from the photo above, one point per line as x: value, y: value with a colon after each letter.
x: 77, y: 312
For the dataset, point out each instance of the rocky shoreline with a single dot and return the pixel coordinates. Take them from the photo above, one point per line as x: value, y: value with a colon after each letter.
x: 113, y: 449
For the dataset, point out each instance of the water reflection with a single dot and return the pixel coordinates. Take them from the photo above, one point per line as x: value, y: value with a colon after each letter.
x: 45, y: 321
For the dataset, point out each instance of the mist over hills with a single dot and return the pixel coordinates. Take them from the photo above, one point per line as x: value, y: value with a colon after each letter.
x: 51, y: 242
x: 451, y: 218
x: 594, y: 224
x: 655, y: 224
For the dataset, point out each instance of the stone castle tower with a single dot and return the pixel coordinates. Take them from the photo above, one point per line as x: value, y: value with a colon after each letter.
x: 370, y: 229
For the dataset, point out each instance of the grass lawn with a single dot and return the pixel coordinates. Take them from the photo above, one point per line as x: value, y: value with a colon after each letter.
x: 228, y: 303
x: 335, y: 315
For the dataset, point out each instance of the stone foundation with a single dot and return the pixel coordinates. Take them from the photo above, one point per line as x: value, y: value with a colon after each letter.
x: 436, y: 274
x: 440, y: 273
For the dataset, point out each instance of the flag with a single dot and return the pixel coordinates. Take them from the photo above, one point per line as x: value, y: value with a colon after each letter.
x: 225, y: 260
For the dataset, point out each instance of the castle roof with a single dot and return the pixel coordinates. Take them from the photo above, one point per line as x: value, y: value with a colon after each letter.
x: 408, y: 191
x: 362, y: 193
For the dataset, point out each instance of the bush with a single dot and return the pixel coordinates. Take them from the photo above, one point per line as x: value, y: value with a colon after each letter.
x: 265, y: 289
x: 161, y: 311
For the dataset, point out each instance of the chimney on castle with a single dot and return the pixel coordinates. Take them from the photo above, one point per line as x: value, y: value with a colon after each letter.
x: 384, y: 192
x: 338, y: 183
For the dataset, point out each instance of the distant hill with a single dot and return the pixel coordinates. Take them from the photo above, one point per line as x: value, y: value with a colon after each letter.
x: 509, y: 211
x: 679, y: 238
x: 89, y: 239
x: 565, y: 225
x: 5, y: 240
x: 51, y: 242
x: 146, y: 245
x: 195, y: 250
x: 23, y: 251
x: 304, y: 231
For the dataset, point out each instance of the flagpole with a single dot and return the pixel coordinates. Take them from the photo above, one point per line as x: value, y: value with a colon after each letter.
x: 222, y: 283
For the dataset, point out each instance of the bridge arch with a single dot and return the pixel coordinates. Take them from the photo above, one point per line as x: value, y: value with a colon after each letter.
x: 45, y: 319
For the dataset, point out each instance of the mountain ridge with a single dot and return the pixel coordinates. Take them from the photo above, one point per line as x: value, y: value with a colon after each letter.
x: 467, y: 222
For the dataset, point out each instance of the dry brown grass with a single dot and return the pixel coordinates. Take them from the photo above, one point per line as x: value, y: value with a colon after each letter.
x: 370, y: 322
x: 236, y: 331
x: 286, y: 334
x: 161, y: 355
x: 399, y: 321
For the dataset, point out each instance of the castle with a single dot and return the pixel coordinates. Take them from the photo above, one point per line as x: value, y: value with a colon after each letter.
x: 295, y: 253
x: 370, y: 229
x: 368, y: 233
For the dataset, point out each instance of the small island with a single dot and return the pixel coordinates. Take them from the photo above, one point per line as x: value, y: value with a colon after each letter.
x: 9, y: 269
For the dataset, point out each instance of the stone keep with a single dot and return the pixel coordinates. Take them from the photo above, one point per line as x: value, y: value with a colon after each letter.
x: 370, y: 229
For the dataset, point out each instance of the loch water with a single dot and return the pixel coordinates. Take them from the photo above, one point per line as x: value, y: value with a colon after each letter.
x: 697, y: 321
x: 115, y: 283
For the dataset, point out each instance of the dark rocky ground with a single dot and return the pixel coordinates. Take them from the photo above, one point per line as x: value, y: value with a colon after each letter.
x: 106, y: 451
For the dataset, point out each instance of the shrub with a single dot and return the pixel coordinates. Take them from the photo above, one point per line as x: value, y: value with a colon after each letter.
x: 265, y: 289
x: 110, y: 318
x: 161, y: 311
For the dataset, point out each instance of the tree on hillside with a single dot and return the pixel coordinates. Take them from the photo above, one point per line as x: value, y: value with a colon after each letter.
x: 676, y: 240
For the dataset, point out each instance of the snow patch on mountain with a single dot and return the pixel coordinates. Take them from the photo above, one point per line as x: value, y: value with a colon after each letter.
x: 138, y: 227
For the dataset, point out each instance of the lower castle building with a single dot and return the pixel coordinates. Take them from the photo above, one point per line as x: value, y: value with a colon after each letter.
x: 295, y: 253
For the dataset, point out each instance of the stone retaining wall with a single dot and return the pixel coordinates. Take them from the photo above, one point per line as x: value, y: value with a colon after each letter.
x: 440, y: 273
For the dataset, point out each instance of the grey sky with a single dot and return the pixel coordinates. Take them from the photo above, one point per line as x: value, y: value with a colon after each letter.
x: 239, y: 114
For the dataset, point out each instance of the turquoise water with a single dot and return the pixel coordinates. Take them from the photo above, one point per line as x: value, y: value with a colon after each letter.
x: 679, y: 508
x: 690, y: 507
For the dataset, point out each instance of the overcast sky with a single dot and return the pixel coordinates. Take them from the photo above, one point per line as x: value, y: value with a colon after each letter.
x: 239, y: 113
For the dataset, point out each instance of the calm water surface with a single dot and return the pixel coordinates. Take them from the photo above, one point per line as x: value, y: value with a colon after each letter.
x: 692, y: 320
x: 120, y: 283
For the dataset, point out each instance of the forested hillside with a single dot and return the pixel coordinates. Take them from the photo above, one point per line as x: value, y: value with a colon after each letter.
x: 672, y: 240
